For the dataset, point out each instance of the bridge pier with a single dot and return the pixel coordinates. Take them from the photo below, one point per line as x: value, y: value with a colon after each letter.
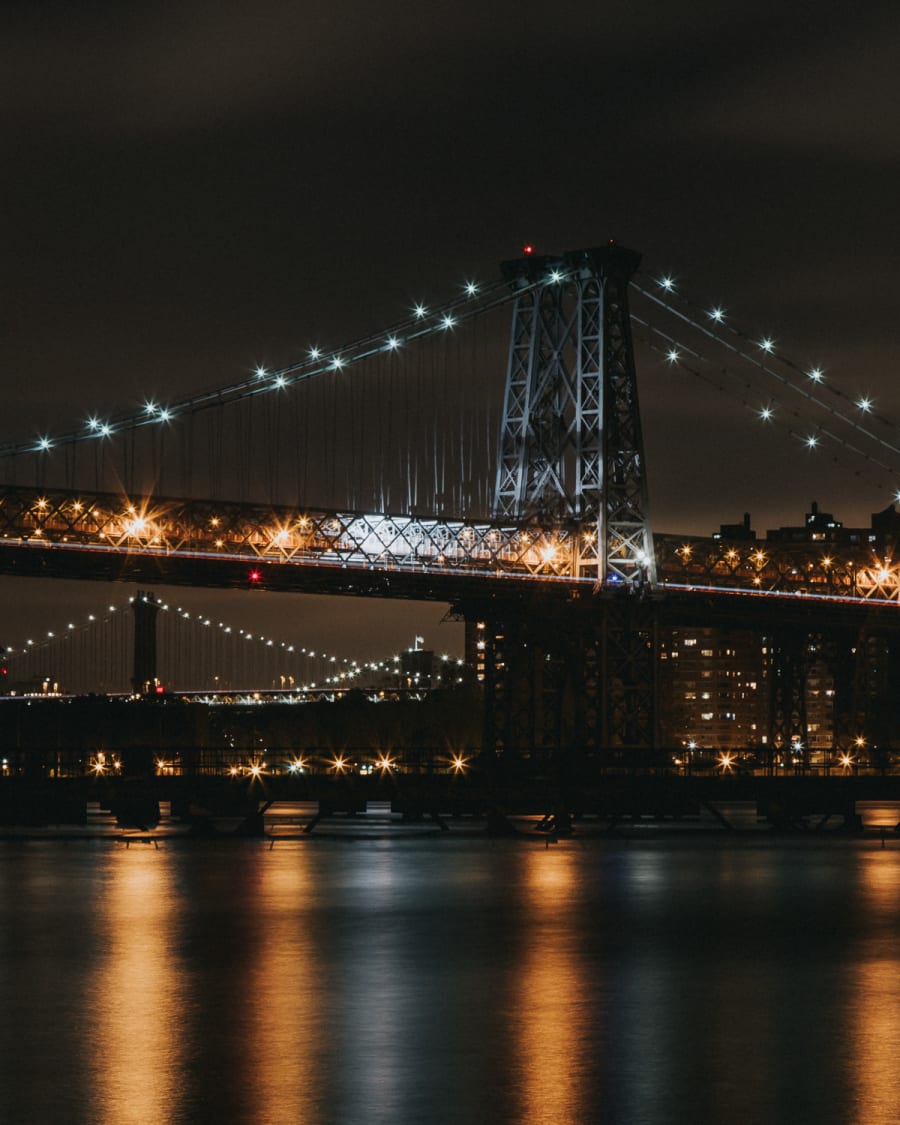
x: 790, y: 658
x: 565, y: 682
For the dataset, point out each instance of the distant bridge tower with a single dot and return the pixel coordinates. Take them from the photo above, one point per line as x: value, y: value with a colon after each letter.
x: 145, y: 607
x: 571, y: 448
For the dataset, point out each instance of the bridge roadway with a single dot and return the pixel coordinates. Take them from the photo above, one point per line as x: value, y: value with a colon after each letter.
x: 676, y: 603
x: 204, y: 543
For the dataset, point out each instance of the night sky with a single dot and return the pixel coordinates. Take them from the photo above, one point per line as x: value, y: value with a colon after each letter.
x: 194, y: 189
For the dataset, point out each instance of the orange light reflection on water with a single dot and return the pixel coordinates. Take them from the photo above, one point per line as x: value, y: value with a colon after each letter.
x: 133, y: 1042
x: 552, y: 1030
x: 283, y: 990
x: 873, y: 1037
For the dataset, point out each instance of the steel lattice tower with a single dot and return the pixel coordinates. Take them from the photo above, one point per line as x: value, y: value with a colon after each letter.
x: 571, y: 448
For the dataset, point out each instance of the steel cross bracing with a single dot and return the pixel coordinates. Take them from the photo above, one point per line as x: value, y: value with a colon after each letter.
x: 112, y: 523
x: 104, y: 521
x: 571, y: 448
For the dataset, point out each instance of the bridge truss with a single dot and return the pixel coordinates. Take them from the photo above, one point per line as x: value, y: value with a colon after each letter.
x: 149, y: 527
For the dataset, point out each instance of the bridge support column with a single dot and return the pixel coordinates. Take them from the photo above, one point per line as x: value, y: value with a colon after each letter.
x: 630, y: 645
x: 145, y: 607
x: 875, y: 696
x: 568, y: 683
x: 865, y: 666
x: 788, y: 734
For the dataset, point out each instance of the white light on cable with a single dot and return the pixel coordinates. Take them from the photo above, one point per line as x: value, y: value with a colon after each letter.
x: 817, y: 374
x: 673, y: 355
x: 717, y: 314
x: 767, y: 344
x: 667, y: 283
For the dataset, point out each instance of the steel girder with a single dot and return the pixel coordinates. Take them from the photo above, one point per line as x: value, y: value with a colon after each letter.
x: 865, y: 665
x: 875, y: 694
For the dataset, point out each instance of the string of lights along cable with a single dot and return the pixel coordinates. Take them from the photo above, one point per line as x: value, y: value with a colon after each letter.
x: 401, y: 403
x: 197, y: 654
x: 814, y: 408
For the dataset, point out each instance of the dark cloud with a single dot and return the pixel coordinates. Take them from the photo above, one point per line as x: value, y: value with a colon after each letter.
x: 836, y: 98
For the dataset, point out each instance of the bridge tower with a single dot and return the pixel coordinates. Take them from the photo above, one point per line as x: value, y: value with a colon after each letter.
x: 571, y: 447
x: 566, y: 681
x: 145, y: 607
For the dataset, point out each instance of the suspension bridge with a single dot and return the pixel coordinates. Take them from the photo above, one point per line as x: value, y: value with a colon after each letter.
x: 141, y: 645
x: 397, y: 466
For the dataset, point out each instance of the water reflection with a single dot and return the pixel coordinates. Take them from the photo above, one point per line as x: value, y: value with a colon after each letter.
x: 554, y: 1018
x: 282, y: 987
x: 873, y: 1040
x: 451, y: 982
x: 133, y: 1049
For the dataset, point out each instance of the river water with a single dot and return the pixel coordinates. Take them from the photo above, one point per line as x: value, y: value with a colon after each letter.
x: 450, y: 979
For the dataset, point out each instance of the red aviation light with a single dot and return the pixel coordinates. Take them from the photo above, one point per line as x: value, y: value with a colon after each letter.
x: 254, y: 577
x: 527, y: 249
